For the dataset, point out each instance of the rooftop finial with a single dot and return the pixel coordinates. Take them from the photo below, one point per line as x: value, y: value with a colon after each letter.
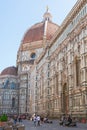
x: 47, y: 8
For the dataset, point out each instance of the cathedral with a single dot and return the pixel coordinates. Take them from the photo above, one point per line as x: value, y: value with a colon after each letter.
x: 50, y: 77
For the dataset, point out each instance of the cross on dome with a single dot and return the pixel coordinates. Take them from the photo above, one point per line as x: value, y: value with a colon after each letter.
x: 47, y: 8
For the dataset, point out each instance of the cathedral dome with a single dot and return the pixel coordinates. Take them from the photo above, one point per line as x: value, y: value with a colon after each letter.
x: 10, y: 71
x: 37, y: 32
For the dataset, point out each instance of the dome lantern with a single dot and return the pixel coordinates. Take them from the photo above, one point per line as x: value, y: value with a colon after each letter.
x: 47, y: 16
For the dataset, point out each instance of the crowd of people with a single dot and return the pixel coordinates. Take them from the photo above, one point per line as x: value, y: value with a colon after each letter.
x: 67, y: 121
x: 38, y: 120
x: 15, y: 119
x: 64, y: 120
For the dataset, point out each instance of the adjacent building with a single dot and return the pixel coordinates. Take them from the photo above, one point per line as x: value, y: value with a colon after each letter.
x: 9, y: 91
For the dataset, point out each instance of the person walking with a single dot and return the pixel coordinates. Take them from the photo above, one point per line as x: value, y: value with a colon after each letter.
x: 15, y: 119
x: 35, y: 120
x: 38, y: 120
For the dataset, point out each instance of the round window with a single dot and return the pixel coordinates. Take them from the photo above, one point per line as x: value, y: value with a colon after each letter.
x: 33, y: 55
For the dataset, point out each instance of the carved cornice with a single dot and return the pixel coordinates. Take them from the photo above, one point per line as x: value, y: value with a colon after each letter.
x: 74, y: 11
x: 82, y: 24
x: 77, y: 30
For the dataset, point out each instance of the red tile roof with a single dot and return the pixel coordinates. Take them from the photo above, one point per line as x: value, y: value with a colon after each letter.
x: 36, y: 32
x: 10, y: 71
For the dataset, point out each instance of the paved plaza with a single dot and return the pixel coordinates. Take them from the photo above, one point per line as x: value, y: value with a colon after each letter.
x: 55, y: 126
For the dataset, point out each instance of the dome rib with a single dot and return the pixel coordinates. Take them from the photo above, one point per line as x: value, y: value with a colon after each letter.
x: 36, y: 32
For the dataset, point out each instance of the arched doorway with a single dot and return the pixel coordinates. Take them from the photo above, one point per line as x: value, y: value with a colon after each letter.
x: 65, y: 99
x: 13, y: 102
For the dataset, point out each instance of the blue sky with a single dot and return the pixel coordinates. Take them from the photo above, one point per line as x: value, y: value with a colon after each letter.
x: 16, y: 16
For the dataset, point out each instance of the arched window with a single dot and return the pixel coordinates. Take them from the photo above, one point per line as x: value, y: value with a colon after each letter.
x: 78, y: 75
x: 13, y: 102
x: 13, y: 85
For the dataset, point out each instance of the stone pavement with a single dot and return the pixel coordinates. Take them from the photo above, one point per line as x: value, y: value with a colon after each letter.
x: 55, y: 126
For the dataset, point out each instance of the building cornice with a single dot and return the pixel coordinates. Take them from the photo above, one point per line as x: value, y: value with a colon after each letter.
x: 74, y: 11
